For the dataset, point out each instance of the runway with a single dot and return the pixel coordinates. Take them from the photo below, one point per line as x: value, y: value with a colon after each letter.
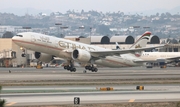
x: 91, y: 97
x: 56, y: 86
x: 23, y: 74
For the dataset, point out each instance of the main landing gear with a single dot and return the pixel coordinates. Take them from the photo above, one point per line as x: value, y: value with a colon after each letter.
x: 91, y: 68
x: 70, y: 67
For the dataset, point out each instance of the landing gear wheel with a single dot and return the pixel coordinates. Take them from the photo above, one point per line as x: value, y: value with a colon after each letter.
x: 86, y: 67
x: 65, y: 67
x: 68, y: 68
x: 71, y: 69
x: 95, y: 69
x: 74, y: 69
x: 91, y: 68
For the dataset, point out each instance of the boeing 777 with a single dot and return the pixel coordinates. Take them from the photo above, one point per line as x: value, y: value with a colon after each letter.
x: 46, y: 47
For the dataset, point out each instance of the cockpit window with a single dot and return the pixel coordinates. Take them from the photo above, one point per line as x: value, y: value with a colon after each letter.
x: 20, y: 35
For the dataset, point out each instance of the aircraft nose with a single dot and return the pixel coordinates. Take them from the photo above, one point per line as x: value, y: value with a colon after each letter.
x: 17, y: 37
x: 14, y: 38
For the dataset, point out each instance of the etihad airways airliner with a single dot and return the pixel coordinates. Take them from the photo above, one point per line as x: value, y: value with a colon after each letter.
x: 162, y: 58
x: 46, y: 47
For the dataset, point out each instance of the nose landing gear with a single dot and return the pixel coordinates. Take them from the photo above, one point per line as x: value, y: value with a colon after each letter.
x: 23, y: 52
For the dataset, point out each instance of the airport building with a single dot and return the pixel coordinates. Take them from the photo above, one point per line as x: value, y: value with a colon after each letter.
x: 10, y: 53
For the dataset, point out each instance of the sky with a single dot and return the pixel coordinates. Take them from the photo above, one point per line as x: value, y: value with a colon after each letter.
x: 99, y: 5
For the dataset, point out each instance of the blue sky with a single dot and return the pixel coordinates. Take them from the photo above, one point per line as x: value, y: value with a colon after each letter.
x: 99, y: 5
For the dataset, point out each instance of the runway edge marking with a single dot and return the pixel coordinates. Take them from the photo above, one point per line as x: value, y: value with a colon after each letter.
x: 11, y: 103
x: 131, y: 100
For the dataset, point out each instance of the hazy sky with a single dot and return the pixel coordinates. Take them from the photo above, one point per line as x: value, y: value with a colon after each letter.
x: 99, y: 5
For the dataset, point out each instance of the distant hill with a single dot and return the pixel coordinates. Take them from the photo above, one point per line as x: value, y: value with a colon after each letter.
x: 158, y: 10
x: 23, y: 11
x: 32, y: 11
x: 175, y: 10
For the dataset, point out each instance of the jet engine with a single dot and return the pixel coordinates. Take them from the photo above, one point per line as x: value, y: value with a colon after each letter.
x: 43, y: 57
x: 81, y: 55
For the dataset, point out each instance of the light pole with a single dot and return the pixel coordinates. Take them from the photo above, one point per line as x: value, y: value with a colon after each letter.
x: 58, y: 27
x: 146, y: 27
x: 136, y: 27
x: 63, y: 28
x: 82, y: 28
x: 90, y: 34
x: 26, y: 27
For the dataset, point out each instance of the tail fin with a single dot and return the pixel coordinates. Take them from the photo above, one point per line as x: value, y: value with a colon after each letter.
x: 142, y: 41
x: 117, y: 46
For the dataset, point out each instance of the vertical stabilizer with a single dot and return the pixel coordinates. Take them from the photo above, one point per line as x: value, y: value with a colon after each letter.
x: 142, y: 41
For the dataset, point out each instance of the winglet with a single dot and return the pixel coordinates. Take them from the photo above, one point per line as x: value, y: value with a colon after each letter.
x: 167, y: 42
x: 117, y: 46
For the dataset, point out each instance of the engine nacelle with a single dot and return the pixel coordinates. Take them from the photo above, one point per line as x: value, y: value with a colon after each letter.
x: 43, y: 57
x: 81, y: 55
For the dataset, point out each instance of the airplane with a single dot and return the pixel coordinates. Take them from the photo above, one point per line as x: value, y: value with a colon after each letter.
x: 162, y: 58
x: 46, y: 47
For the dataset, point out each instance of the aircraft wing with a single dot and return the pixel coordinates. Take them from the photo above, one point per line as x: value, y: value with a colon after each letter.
x: 173, y: 58
x: 158, y: 60
x: 143, y: 61
x: 117, y: 52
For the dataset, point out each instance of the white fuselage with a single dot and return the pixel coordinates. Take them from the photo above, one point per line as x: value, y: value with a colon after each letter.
x: 158, y: 55
x: 63, y: 48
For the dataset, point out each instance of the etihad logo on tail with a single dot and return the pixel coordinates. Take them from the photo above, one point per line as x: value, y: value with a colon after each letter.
x: 146, y: 35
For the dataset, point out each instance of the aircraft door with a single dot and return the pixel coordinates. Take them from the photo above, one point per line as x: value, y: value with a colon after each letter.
x: 34, y: 45
x: 125, y: 59
x: 33, y: 39
x: 56, y: 43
